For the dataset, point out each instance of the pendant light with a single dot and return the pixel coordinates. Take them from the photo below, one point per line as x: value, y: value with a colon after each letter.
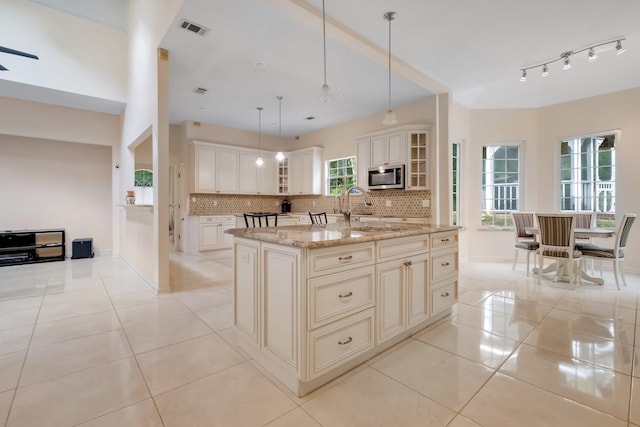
x: 390, y: 117
x: 279, y: 154
x: 325, y: 95
x: 259, y: 160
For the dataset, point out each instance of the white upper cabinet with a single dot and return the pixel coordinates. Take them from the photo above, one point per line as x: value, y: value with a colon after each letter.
x: 225, y: 169
x: 305, y: 171
x: 418, y: 167
x: 407, y: 145
x: 389, y: 149
x: 215, y: 169
x: 204, y: 170
x: 256, y: 179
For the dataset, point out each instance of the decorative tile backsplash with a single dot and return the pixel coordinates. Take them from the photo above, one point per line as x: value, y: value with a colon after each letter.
x: 385, y: 203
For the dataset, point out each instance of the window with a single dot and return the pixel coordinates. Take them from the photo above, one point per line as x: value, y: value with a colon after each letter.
x: 500, y: 184
x: 587, y: 177
x: 341, y: 173
x: 143, y: 186
x: 455, y: 182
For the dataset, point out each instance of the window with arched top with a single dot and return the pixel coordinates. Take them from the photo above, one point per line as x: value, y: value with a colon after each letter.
x: 143, y: 186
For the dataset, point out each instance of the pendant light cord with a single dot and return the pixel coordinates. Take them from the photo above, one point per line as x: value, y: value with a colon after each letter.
x: 324, y: 44
x: 259, y: 131
x: 280, y: 116
x: 390, y: 18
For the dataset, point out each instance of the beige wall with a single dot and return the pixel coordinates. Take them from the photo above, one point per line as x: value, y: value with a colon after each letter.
x: 541, y: 130
x: 36, y: 120
x: 56, y: 184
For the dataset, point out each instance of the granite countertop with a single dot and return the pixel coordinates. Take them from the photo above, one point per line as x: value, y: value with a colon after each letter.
x: 326, y: 235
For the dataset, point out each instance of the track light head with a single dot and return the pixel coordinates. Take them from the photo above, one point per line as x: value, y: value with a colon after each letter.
x: 523, y: 76
x: 592, y: 55
x: 545, y: 70
x: 567, y: 61
x: 619, y: 48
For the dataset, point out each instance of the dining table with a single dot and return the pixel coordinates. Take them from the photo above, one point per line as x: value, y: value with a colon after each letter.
x: 580, y: 233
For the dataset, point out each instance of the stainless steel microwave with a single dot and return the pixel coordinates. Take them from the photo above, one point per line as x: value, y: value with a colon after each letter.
x: 386, y: 177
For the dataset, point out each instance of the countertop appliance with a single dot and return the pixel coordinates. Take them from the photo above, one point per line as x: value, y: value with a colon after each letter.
x: 286, y: 206
x: 386, y: 177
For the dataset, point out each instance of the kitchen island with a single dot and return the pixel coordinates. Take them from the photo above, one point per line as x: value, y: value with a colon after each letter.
x: 313, y: 301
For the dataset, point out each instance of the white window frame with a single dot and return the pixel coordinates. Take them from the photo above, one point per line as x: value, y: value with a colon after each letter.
x: 327, y: 186
x: 558, y: 169
x: 520, y: 188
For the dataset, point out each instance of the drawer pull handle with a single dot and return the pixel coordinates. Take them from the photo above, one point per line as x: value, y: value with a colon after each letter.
x: 345, y: 342
x: 444, y: 240
x: 446, y: 294
x: 345, y: 258
x: 445, y: 264
x: 408, y: 263
x: 347, y: 295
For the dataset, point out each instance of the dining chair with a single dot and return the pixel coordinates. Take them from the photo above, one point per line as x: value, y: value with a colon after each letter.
x: 557, y: 243
x: 615, y: 254
x: 585, y: 220
x: 524, y: 241
x: 318, y: 217
x: 259, y: 219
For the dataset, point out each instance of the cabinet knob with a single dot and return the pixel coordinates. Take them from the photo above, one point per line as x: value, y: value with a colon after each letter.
x: 345, y: 342
x: 408, y: 263
x: 345, y: 258
x: 347, y: 295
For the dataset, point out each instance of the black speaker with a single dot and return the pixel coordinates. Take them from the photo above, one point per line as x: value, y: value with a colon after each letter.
x: 82, y: 248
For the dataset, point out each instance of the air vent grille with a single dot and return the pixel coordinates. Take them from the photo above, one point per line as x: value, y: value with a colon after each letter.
x: 200, y: 90
x: 193, y: 27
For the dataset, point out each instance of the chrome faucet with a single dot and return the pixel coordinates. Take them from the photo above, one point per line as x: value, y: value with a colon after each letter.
x: 346, y: 210
x: 337, y: 199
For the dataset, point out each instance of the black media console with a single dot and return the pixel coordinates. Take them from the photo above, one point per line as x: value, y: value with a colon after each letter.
x: 30, y: 246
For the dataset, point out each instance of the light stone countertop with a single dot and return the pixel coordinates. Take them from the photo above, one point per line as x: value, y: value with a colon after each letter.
x: 326, y: 235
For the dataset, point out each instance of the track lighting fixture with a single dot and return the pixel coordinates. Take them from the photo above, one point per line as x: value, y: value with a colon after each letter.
x: 565, y: 57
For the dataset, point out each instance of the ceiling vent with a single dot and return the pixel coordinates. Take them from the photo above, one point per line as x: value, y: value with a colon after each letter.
x: 200, y: 90
x: 193, y: 27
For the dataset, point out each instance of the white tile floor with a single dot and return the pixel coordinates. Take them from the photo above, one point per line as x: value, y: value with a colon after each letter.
x: 84, y: 342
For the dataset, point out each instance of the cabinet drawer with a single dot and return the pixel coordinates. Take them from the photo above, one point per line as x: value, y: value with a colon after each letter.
x: 218, y: 219
x: 402, y: 247
x: 340, y: 258
x: 446, y: 239
x: 444, y: 296
x: 443, y: 265
x: 341, y: 294
x: 337, y: 342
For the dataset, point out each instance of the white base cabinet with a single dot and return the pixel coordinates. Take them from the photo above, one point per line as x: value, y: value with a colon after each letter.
x: 208, y: 232
x: 309, y: 315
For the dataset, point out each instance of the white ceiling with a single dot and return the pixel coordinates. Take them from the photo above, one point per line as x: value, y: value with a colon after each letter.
x: 474, y: 48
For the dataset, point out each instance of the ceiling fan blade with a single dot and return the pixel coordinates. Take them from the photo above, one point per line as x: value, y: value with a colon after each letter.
x: 17, y: 52
x: 3, y: 68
